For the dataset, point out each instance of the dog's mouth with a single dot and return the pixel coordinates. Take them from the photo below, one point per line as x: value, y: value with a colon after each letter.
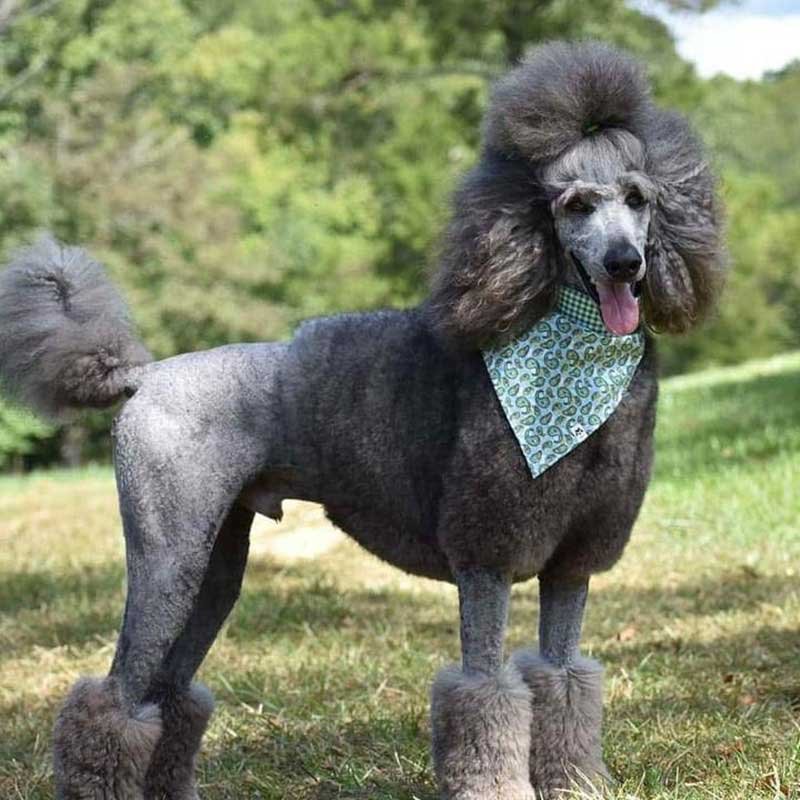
x: 618, y: 300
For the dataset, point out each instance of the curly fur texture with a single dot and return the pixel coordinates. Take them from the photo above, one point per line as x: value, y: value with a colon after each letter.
x: 100, y: 750
x: 481, y: 735
x: 67, y: 338
x: 562, y: 93
x: 501, y: 261
x: 567, y: 718
x: 185, y: 716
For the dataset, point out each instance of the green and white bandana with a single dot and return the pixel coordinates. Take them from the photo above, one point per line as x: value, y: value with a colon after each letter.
x: 562, y: 379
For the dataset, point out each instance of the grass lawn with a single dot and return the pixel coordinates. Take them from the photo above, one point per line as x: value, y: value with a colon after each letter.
x: 322, y: 674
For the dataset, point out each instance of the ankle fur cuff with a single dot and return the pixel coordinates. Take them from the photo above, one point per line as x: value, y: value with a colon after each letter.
x: 567, y: 718
x: 481, y: 735
x: 100, y: 750
x: 185, y: 717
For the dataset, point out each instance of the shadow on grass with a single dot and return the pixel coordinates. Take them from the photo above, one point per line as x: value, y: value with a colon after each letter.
x: 734, y: 590
x: 46, y: 609
x: 765, y: 657
x: 319, y: 752
x: 75, y: 607
x: 316, y: 601
x: 78, y: 606
x: 385, y: 758
x: 324, y: 749
x: 34, y: 589
x: 748, y: 679
x: 736, y: 696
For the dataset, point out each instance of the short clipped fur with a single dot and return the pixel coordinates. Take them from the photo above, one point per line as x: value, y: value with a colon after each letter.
x: 390, y: 421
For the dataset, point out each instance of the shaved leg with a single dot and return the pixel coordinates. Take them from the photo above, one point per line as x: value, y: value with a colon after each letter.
x: 218, y: 594
x: 177, y: 569
x: 186, y: 707
x: 483, y: 601
x: 481, y: 712
x: 108, y: 730
x: 567, y: 698
x: 561, y: 607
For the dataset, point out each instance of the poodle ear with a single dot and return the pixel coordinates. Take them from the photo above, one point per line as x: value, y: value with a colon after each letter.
x: 685, y: 259
x: 498, y: 269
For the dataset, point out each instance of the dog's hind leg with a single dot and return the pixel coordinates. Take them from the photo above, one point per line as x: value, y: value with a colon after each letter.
x: 175, y: 498
x: 186, y: 707
x: 481, y: 711
x: 567, y: 695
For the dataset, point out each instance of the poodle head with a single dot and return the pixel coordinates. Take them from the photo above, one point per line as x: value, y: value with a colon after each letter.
x: 583, y: 181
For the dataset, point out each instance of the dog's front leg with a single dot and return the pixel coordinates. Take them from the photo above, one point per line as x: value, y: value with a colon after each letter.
x: 567, y: 692
x: 481, y: 711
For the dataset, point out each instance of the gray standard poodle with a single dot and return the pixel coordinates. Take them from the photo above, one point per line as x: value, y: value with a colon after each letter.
x: 501, y: 430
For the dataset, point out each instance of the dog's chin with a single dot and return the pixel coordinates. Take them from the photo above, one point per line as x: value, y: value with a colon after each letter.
x: 618, y: 300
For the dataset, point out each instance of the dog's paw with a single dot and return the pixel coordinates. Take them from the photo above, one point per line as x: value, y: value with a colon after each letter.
x: 100, y: 749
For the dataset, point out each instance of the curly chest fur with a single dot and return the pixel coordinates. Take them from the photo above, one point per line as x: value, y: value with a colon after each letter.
x: 444, y: 485
x: 574, y: 518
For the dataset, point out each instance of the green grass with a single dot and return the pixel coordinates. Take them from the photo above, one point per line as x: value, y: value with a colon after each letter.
x: 322, y: 674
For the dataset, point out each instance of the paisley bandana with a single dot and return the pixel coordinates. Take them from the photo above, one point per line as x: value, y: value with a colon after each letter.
x: 562, y: 379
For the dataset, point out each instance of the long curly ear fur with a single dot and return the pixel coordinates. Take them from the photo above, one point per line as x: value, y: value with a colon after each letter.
x: 498, y: 268
x: 685, y: 256
x: 500, y: 263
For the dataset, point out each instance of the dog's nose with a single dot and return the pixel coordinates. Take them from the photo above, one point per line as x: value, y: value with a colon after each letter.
x: 622, y: 261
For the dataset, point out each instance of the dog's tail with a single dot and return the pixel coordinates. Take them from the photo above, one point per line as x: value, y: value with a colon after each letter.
x: 66, y: 339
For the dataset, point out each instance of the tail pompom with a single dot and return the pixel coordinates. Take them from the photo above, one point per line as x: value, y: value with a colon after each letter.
x: 66, y: 338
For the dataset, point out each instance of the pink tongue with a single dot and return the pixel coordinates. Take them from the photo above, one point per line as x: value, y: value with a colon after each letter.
x: 619, y: 307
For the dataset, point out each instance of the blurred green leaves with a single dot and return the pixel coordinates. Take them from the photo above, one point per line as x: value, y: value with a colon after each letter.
x: 20, y: 435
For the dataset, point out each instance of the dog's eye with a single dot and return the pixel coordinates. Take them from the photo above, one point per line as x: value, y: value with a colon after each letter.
x: 635, y: 200
x: 577, y: 206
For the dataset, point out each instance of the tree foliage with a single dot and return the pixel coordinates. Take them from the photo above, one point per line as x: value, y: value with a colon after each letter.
x: 242, y: 165
x: 21, y: 435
